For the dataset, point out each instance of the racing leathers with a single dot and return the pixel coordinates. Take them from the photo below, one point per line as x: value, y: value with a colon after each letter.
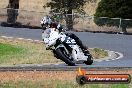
x: 59, y: 28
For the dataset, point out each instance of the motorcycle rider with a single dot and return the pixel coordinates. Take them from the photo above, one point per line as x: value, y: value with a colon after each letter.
x: 46, y: 23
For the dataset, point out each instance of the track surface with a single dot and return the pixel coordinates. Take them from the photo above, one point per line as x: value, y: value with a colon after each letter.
x: 115, y: 42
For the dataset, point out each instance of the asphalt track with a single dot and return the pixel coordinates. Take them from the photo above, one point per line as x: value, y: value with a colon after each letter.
x: 113, y: 42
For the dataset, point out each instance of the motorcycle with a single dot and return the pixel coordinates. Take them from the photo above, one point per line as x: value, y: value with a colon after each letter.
x: 65, y: 48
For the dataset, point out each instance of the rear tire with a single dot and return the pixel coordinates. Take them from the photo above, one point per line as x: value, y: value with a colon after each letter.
x: 89, y: 60
x: 60, y: 52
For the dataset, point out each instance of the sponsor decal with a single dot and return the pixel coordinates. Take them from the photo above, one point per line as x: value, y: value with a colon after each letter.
x: 84, y: 78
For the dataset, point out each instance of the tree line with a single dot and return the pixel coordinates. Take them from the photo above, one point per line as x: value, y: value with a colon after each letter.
x: 106, y: 8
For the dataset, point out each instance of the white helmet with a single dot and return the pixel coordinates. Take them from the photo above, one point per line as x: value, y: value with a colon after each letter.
x: 45, y: 21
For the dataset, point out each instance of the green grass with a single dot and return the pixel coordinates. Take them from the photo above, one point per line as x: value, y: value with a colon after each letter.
x: 99, y: 53
x: 57, y: 84
x: 9, y: 53
x: 7, y: 49
x: 24, y: 52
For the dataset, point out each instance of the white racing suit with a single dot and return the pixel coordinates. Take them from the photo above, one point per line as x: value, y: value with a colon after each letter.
x: 50, y: 36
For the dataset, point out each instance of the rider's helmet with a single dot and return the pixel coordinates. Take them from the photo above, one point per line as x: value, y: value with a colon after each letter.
x: 46, y: 21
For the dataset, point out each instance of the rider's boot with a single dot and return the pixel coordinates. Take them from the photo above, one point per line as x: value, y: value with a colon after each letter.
x: 86, y: 52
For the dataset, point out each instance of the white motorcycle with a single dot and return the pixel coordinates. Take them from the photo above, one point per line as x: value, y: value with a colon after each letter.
x: 65, y: 48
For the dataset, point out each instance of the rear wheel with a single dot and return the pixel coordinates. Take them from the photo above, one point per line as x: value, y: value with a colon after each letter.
x: 62, y: 54
x: 89, y: 60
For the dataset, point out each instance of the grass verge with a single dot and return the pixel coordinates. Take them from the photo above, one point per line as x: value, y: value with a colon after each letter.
x: 14, y: 51
x: 57, y: 84
x: 8, y: 52
x: 25, y: 52
x: 98, y: 53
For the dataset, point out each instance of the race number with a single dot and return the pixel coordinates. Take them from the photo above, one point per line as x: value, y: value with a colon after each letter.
x: 70, y: 41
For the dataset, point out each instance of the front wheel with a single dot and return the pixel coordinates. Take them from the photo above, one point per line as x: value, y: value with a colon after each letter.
x: 62, y: 54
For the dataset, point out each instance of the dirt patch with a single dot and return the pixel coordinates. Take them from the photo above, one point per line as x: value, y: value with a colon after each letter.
x: 51, y: 75
x: 37, y: 75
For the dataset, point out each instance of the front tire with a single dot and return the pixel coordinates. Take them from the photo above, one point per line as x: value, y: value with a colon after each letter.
x: 61, y: 53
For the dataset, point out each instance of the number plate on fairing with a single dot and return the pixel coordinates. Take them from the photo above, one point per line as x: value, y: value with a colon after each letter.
x: 70, y: 41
